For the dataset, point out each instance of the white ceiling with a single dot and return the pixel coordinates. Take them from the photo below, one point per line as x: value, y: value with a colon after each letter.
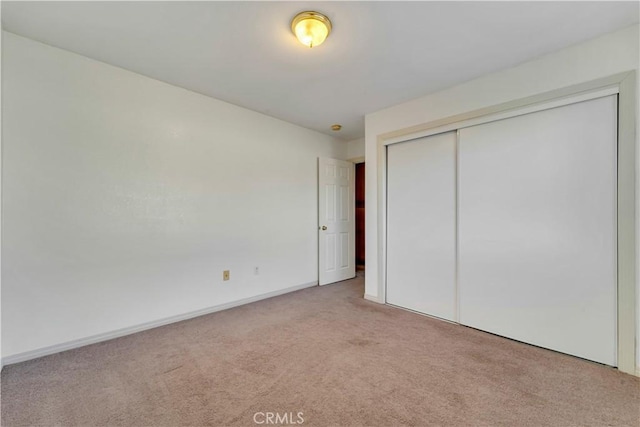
x: 378, y: 55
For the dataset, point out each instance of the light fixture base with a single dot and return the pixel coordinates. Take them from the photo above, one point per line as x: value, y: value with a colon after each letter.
x: 311, y: 28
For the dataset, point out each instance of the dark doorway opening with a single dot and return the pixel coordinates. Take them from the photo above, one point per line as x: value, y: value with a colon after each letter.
x: 360, y: 216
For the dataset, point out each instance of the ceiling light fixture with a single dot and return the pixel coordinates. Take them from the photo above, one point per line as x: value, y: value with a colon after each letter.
x: 336, y: 127
x: 311, y: 28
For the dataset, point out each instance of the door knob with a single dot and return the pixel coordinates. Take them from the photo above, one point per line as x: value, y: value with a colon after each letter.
x: 324, y: 227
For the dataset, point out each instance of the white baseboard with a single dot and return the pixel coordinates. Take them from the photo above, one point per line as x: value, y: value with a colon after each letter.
x: 372, y: 298
x: 69, y: 345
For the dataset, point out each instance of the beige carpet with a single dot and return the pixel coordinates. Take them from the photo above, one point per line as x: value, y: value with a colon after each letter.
x: 325, y: 352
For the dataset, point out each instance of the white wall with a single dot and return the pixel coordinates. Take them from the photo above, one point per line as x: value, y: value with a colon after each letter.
x: 604, y: 56
x: 355, y: 149
x: 125, y: 198
x: 1, y: 364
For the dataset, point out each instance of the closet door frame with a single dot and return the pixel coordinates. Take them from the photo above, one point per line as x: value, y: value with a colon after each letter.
x: 623, y: 84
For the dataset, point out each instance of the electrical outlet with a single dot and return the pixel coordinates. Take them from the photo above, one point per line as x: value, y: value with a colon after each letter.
x: 225, y: 275
x: 256, y: 271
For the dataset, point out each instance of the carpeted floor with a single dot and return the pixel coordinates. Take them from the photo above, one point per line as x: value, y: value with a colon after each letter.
x: 324, y: 352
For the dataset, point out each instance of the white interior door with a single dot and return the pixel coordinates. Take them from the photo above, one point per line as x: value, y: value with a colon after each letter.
x: 336, y: 220
x: 537, y: 228
x: 421, y: 225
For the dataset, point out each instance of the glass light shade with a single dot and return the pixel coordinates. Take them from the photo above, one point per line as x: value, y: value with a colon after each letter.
x: 311, y: 28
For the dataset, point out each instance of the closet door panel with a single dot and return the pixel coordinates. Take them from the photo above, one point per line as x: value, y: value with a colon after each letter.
x: 537, y: 228
x: 421, y: 225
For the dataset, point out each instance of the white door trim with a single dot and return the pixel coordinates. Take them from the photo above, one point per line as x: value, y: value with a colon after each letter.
x: 558, y: 102
x: 625, y: 85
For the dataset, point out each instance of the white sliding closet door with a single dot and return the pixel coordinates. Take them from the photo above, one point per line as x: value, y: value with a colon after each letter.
x: 421, y: 225
x: 537, y: 228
